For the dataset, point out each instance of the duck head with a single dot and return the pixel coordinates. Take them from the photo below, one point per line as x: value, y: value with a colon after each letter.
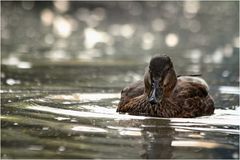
x: 159, y: 78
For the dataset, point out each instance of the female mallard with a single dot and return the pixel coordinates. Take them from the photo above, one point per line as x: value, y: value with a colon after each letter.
x: 163, y: 94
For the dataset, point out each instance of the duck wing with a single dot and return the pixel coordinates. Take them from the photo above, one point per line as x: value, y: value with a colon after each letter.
x: 194, y: 100
x: 131, y: 91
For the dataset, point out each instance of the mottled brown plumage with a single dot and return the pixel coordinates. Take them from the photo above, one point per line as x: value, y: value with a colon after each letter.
x: 163, y: 94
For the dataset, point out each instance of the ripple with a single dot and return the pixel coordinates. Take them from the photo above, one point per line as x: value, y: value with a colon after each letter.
x: 35, y: 147
x: 127, y: 131
x: 113, y: 115
x: 209, y: 129
x: 62, y: 118
x: 83, y: 97
x: 229, y: 90
x: 89, y: 129
x: 130, y: 133
x: 201, y: 144
x: 220, y: 117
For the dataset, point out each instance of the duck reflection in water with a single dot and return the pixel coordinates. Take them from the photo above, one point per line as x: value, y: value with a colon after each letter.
x: 158, y: 136
x: 163, y: 94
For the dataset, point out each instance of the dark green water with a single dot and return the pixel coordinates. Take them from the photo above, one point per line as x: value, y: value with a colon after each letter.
x: 60, y: 86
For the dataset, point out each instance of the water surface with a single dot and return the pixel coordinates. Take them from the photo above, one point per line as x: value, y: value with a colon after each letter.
x: 70, y: 112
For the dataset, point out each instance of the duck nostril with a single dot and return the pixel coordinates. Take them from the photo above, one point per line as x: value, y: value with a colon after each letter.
x: 152, y: 100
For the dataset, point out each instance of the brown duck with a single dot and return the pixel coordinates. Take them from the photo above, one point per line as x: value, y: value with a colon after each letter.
x: 163, y: 94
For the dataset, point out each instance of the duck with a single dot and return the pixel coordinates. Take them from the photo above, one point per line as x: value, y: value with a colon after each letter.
x: 162, y: 93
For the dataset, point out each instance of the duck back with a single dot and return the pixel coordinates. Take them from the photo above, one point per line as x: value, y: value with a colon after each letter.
x: 192, y: 95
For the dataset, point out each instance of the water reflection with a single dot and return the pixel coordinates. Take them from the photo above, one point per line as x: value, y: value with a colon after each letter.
x: 159, y: 138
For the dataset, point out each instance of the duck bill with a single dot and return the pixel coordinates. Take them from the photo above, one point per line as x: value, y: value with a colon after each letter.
x: 156, y: 93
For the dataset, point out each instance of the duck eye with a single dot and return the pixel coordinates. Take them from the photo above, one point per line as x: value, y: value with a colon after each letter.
x: 166, y: 70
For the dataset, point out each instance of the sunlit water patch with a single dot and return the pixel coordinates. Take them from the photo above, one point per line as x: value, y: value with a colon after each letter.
x: 229, y: 90
x: 84, y: 97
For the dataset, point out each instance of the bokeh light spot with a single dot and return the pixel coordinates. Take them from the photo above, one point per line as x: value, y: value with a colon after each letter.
x: 47, y: 17
x: 191, y: 6
x: 62, y: 27
x: 127, y: 30
x: 171, y: 40
x: 92, y: 37
x: 61, y: 6
x: 147, y: 41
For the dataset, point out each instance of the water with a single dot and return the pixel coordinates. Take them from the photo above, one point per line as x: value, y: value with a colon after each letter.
x: 64, y: 113
x: 60, y: 88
